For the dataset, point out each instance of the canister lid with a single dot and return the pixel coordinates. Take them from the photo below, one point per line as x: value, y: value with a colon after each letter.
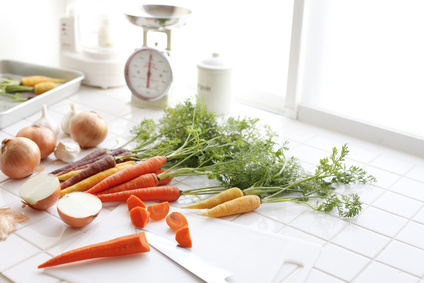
x: 215, y: 62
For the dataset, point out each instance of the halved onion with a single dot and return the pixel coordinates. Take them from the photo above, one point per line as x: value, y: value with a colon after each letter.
x: 78, y: 209
x: 41, y: 191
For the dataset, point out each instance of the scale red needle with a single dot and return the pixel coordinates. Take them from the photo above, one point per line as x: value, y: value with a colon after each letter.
x: 148, y: 71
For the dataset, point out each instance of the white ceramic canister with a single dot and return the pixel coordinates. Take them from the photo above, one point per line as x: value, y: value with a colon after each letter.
x: 214, y: 84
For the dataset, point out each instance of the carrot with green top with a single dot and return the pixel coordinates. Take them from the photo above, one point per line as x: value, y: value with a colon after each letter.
x: 236, y: 206
x: 125, y: 245
x: 158, y: 211
x: 150, y: 165
x: 176, y: 220
x: 183, y: 238
x: 70, y: 166
x: 217, y: 199
x: 134, y: 201
x: 89, y: 182
x: 143, y: 181
x: 94, y: 168
x: 159, y: 193
x: 164, y: 181
x: 139, y: 217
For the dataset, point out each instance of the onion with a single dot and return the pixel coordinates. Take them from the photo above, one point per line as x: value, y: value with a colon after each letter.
x: 41, y: 191
x: 88, y: 129
x: 19, y: 157
x: 78, y: 209
x: 42, y: 136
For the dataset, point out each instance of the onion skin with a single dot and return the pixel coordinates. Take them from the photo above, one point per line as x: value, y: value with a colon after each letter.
x: 88, y: 129
x: 19, y: 157
x: 76, y: 222
x: 42, y: 136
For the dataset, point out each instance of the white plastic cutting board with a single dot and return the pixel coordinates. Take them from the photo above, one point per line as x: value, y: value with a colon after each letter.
x: 251, y: 255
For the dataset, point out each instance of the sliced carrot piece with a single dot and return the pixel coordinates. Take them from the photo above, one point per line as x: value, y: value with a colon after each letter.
x: 134, y: 201
x: 176, y: 220
x: 158, y: 211
x: 139, y: 216
x: 183, y: 238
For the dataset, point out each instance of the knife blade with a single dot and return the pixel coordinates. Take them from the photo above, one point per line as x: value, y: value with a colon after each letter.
x: 187, y: 259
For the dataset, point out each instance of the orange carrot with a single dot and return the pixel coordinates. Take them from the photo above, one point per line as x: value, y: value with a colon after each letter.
x: 102, y: 164
x: 134, y: 201
x: 125, y: 245
x: 139, y: 216
x: 160, y: 193
x: 164, y: 181
x: 33, y: 80
x: 183, y: 238
x: 218, y: 199
x: 150, y: 165
x: 143, y: 181
x: 176, y: 220
x: 235, y: 206
x: 158, y: 211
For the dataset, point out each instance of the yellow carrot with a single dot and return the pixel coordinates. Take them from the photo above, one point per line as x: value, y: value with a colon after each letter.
x: 33, y: 80
x: 43, y: 87
x: 239, y: 205
x: 68, y: 175
x: 89, y: 182
x: 218, y: 199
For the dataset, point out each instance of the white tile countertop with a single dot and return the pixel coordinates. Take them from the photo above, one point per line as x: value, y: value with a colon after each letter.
x: 384, y: 243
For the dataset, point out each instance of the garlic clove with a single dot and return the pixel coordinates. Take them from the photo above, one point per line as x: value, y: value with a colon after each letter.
x: 67, y: 150
x: 47, y: 122
x: 67, y: 119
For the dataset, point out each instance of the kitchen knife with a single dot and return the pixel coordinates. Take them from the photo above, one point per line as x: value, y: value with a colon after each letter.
x: 187, y: 259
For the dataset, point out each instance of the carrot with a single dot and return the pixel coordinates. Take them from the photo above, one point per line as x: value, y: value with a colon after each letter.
x: 68, y: 175
x: 238, y: 205
x: 89, y: 182
x: 164, y: 181
x: 143, y: 181
x: 158, y: 211
x: 33, y: 80
x: 183, y: 238
x: 161, y: 193
x: 134, y: 201
x: 176, y: 220
x: 43, y: 87
x: 150, y: 165
x: 69, y: 167
x: 218, y: 199
x: 139, y: 216
x: 125, y: 245
x: 102, y: 164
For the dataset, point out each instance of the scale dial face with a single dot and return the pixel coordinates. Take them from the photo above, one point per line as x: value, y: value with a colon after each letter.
x: 148, y: 74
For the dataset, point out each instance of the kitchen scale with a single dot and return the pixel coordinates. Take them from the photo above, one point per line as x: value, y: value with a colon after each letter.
x: 148, y: 70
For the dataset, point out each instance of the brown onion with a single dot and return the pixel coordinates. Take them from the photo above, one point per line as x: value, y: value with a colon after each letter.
x: 41, y: 191
x: 42, y: 136
x: 78, y: 209
x: 88, y: 129
x: 19, y: 157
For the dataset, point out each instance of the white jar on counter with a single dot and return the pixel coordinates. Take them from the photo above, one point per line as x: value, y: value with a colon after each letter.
x: 214, y: 84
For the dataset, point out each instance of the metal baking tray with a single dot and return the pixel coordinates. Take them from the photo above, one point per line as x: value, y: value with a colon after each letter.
x: 11, y: 112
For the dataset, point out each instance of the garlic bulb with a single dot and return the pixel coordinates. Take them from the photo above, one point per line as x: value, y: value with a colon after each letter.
x: 67, y: 150
x: 47, y: 122
x: 67, y: 119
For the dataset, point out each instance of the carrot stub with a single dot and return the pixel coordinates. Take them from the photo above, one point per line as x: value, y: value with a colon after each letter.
x: 160, y: 193
x: 139, y: 216
x: 222, y: 197
x: 183, y: 238
x: 134, y: 201
x: 158, y: 211
x: 125, y: 245
x: 235, y: 206
x: 176, y: 220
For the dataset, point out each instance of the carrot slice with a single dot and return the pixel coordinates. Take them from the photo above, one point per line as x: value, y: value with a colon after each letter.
x: 134, y: 201
x: 139, y: 216
x: 182, y: 236
x: 158, y: 211
x: 176, y: 220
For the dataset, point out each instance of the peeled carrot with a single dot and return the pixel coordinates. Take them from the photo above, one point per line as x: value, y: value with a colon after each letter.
x: 158, y: 211
x: 43, y: 87
x: 183, y: 238
x: 238, y: 205
x: 134, y: 201
x: 218, y: 199
x: 102, y: 164
x: 143, y: 181
x: 33, y: 80
x: 150, y: 165
x: 139, y: 216
x: 176, y: 220
x: 160, y: 193
x: 89, y: 182
x: 129, y: 244
x: 164, y: 181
